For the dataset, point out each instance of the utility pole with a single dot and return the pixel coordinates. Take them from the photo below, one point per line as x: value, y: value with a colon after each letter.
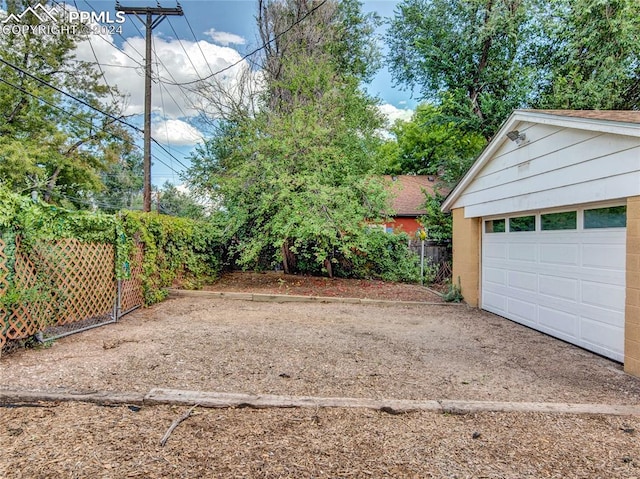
x: 146, y: 16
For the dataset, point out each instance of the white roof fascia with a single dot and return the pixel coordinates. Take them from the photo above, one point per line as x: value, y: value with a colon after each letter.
x: 563, y: 121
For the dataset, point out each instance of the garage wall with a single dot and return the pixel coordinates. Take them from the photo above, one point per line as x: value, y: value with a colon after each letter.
x: 466, y: 255
x: 632, y: 303
x: 556, y: 166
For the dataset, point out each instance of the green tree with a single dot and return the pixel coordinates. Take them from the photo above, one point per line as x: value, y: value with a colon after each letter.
x: 587, y: 55
x: 432, y: 144
x: 295, y: 187
x: 122, y: 182
x: 48, y: 142
x: 480, y: 59
x: 173, y: 202
x: 294, y: 180
x: 465, y: 55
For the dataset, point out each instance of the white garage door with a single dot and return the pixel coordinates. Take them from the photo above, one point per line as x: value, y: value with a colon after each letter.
x: 562, y: 273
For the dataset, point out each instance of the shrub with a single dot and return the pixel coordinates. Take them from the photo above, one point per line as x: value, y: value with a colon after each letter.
x: 380, y: 255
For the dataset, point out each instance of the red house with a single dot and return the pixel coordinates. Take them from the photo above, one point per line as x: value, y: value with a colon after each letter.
x: 408, y: 197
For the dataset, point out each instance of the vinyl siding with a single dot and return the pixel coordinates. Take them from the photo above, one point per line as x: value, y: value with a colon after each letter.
x: 558, y: 166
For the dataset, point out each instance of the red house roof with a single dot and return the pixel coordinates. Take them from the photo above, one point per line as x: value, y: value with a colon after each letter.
x: 407, y: 193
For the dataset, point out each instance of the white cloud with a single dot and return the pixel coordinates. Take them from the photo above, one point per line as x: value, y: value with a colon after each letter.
x: 392, y: 113
x: 225, y: 38
x: 175, y: 133
x: 124, y: 67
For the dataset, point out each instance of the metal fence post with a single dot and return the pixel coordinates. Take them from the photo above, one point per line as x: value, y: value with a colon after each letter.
x: 119, y: 301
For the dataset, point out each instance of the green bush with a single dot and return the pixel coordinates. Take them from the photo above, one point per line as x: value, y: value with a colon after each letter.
x: 175, y: 248
x: 380, y: 255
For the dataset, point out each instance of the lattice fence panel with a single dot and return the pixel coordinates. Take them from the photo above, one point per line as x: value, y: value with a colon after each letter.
x: 444, y: 273
x: 4, y: 285
x: 30, y: 316
x: 131, y: 295
x: 83, y: 278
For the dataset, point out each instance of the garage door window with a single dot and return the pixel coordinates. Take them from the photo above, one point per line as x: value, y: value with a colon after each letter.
x: 612, y: 217
x: 567, y: 220
x: 522, y: 223
x: 494, y: 226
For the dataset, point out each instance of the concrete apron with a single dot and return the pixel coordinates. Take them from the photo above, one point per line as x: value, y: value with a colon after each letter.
x: 15, y: 398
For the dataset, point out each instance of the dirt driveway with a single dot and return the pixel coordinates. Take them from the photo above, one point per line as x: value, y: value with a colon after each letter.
x: 371, y: 351
x: 349, y: 350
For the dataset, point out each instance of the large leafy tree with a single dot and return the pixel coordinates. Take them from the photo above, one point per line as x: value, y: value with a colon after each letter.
x: 294, y: 179
x: 431, y: 144
x: 463, y: 54
x: 480, y: 59
x: 587, y: 54
x: 122, y: 182
x: 297, y: 185
x: 174, y: 202
x: 49, y: 142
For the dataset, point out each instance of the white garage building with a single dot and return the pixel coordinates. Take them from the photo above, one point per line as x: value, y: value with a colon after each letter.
x: 547, y: 228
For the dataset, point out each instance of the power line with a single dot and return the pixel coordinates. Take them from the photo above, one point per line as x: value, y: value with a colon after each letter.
x: 253, y: 52
x: 129, y: 142
x: 112, y: 65
x: 150, y: 23
x: 88, y: 105
x: 98, y: 63
x: 162, y: 102
x: 198, y: 44
x: 195, y: 70
x: 63, y: 6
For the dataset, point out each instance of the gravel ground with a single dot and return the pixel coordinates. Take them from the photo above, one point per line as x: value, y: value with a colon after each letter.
x: 86, y: 441
x: 370, y: 351
x: 348, y: 350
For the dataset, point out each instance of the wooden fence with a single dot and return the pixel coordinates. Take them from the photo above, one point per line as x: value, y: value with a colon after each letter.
x: 435, y: 254
x: 62, y: 286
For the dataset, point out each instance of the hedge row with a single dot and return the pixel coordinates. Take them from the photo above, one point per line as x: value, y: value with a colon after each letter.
x: 175, y: 248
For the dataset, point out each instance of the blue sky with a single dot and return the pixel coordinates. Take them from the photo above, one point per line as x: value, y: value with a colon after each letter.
x: 211, y: 35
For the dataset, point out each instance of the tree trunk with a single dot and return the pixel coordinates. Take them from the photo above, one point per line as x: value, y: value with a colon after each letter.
x: 288, y: 259
x: 328, y: 267
x: 51, y: 185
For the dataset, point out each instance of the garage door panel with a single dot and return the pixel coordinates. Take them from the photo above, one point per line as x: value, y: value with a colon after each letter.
x: 559, y: 287
x: 496, y: 303
x: 495, y: 276
x: 556, y: 321
x: 525, y: 311
x: 604, y: 316
x: 569, y: 284
x: 602, y: 295
x: 559, y: 254
x: 606, y: 276
x: 603, y: 256
x: 496, y: 251
x: 523, y: 280
x: 601, y: 335
x: 523, y: 252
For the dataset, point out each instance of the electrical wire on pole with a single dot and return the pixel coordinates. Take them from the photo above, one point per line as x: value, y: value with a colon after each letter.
x: 146, y: 16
